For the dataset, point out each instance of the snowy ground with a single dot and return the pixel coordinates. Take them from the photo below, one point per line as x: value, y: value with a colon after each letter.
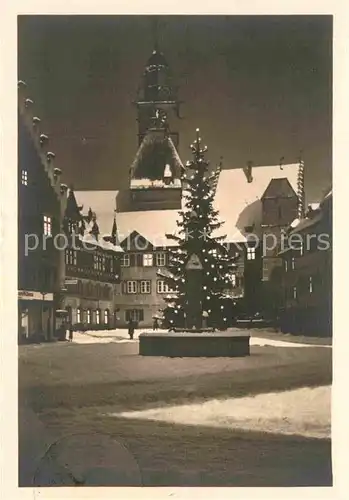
x: 304, y: 412
x: 121, y: 336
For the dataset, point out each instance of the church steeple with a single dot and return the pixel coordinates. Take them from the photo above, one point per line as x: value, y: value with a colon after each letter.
x: 157, y: 99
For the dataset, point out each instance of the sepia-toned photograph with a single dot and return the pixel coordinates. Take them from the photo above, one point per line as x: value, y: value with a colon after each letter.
x: 174, y: 250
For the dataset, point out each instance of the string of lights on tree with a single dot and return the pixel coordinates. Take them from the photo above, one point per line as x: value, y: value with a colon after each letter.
x: 197, y: 224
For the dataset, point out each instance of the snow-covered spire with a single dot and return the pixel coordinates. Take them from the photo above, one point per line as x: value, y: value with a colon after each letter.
x: 300, y: 189
x: 114, y: 231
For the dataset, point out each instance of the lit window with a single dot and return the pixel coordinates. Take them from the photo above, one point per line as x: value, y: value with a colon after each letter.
x: 147, y: 259
x: 233, y: 279
x: 78, y: 315
x: 24, y: 178
x: 161, y: 259
x: 47, y: 225
x: 251, y: 253
x: 111, y: 265
x: 293, y: 263
x: 294, y: 292
x: 162, y: 287
x: 145, y: 286
x: 125, y: 260
x: 106, y: 317
x: 70, y: 257
x: 131, y: 286
x: 88, y: 315
x: 310, y: 284
x: 98, y: 316
x: 286, y: 266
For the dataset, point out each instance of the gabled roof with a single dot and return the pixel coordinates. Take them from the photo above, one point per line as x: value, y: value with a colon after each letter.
x: 239, y: 201
x: 154, y: 153
x: 72, y: 210
x: 279, y: 188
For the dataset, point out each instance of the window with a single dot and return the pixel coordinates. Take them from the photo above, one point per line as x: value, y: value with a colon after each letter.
x: 294, y: 292
x: 24, y: 177
x: 98, y: 316
x: 78, y: 315
x: 106, y: 317
x: 47, y: 225
x: 233, y: 280
x: 145, y: 286
x: 131, y: 286
x: 125, y: 260
x: 88, y: 316
x: 310, y: 284
x: 251, y: 253
x: 293, y: 263
x: 134, y: 314
x: 162, y: 287
x: 71, y: 257
x: 286, y: 266
x: 147, y: 259
x: 161, y: 259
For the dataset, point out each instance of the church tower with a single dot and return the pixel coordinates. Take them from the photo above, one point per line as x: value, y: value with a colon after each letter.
x: 155, y: 174
x: 157, y: 100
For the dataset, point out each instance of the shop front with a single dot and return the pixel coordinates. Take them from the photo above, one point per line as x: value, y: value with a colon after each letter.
x: 35, y: 316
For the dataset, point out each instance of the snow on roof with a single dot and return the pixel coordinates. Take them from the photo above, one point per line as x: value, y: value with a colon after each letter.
x: 239, y: 204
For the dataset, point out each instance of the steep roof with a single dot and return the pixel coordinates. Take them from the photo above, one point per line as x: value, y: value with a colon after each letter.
x: 279, y: 188
x: 154, y: 153
x: 72, y: 210
x: 238, y: 202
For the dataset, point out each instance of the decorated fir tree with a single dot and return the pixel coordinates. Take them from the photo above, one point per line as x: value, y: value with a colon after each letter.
x: 195, y: 239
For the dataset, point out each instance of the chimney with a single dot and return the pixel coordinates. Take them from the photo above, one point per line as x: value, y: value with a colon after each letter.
x: 248, y: 171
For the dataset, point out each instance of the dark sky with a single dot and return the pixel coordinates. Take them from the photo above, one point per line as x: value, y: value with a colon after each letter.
x: 259, y: 87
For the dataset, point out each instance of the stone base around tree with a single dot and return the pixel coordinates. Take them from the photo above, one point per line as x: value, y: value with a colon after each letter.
x: 183, y: 344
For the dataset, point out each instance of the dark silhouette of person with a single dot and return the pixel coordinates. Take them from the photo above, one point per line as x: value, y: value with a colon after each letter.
x: 71, y: 332
x: 131, y: 328
x: 155, y: 324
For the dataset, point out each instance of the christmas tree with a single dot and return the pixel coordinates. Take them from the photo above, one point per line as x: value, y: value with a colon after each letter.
x: 198, y: 221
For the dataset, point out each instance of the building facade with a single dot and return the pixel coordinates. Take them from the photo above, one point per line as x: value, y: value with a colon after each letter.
x: 91, y: 270
x: 40, y: 195
x: 306, y: 306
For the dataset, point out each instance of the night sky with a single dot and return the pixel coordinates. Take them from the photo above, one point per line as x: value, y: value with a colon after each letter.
x: 259, y: 88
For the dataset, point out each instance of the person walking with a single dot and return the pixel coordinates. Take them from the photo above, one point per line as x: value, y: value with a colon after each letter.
x: 131, y: 328
x: 71, y: 331
x: 155, y: 324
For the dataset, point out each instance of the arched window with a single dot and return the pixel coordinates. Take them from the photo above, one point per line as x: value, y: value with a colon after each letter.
x: 88, y: 316
x: 106, y: 316
x: 98, y: 316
